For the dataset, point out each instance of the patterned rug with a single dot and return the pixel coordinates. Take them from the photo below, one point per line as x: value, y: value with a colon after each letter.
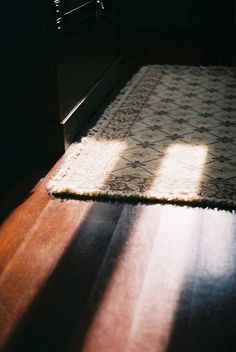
x: 169, y: 136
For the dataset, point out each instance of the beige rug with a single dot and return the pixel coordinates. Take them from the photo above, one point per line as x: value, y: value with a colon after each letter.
x: 170, y: 136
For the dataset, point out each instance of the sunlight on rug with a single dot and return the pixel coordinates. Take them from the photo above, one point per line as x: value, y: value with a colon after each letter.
x: 91, y: 167
x: 169, y: 136
x: 180, y: 173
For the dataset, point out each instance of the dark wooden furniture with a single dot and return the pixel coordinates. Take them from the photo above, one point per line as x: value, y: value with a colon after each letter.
x: 59, y: 62
x: 87, y: 59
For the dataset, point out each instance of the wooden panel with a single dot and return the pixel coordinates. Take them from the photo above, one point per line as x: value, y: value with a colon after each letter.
x: 84, y: 55
x: 90, y: 104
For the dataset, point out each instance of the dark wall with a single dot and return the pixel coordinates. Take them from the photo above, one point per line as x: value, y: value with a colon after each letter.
x: 234, y: 12
x: 25, y: 23
x: 181, y: 13
x: 195, y: 22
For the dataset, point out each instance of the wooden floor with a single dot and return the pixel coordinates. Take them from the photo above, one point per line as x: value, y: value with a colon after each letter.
x: 84, y: 276
x: 112, y: 277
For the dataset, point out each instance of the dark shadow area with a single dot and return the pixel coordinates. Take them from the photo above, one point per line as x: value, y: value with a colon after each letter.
x: 210, y: 324
x: 194, y: 51
x: 205, y: 320
x: 192, y: 27
x: 20, y: 172
x: 50, y: 322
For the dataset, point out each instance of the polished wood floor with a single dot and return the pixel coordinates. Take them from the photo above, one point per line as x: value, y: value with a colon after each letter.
x: 115, y: 277
x: 85, y: 276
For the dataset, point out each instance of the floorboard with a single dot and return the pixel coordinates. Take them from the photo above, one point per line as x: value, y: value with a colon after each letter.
x: 51, y: 319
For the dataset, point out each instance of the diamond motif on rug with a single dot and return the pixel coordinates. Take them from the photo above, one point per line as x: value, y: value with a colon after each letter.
x: 169, y: 136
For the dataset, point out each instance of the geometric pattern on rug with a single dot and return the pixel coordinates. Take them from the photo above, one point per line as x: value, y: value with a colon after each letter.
x: 170, y: 135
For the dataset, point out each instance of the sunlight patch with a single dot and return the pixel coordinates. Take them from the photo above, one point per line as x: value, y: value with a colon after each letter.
x: 89, y: 170
x: 181, y: 171
x: 218, y: 251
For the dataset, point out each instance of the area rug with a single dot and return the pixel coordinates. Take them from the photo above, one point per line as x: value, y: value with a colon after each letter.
x: 169, y: 136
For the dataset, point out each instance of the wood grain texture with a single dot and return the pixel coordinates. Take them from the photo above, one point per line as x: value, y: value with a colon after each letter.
x: 34, y: 237
x: 52, y: 318
x: 137, y: 308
